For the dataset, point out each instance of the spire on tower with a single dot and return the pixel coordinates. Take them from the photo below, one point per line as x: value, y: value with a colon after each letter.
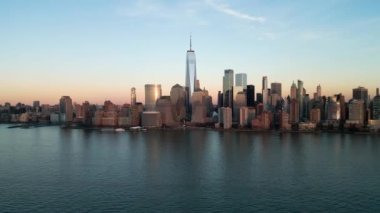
x: 190, y: 41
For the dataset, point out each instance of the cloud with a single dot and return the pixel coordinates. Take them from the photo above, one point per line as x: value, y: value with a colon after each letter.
x: 171, y: 13
x: 226, y: 9
x: 143, y: 8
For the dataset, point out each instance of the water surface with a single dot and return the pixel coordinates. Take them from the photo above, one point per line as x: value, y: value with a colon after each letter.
x: 52, y: 169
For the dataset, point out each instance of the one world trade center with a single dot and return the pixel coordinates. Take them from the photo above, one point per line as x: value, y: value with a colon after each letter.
x: 191, y: 76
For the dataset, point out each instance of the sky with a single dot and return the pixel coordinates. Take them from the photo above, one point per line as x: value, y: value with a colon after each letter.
x: 96, y: 50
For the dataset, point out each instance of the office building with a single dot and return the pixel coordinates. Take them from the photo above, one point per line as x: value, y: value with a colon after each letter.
x: 360, y: 93
x: 241, y: 80
x: 66, y: 109
x: 300, y: 92
x: 294, y: 111
x: 152, y: 94
x: 250, y: 92
x: 178, y: 101
x: 356, y: 112
x: 315, y: 115
x: 199, y: 107
x: 151, y: 119
x: 265, y: 92
x: 227, y: 117
x: 240, y: 101
x: 376, y: 106
x: 293, y: 91
x: 228, y: 83
x: 276, y: 89
x: 164, y: 106
x: 133, y: 96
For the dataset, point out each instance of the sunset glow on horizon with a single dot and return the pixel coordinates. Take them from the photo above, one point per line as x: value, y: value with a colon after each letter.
x: 99, y: 50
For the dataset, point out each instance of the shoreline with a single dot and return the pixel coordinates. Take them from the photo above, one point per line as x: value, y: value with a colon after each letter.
x: 189, y: 128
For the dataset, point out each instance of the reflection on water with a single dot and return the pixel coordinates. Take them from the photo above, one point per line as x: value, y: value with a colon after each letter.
x: 53, y: 169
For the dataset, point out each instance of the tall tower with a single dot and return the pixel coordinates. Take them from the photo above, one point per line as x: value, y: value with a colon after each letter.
x: 241, y: 80
x: 319, y: 91
x: 300, y: 98
x: 293, y: 91
x: 191, y: 78
x: 133, y: 96
x: 191, y: 71
x: 228, y: 83
x: 265, y: 92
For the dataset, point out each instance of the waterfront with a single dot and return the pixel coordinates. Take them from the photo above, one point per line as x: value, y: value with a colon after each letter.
x: 54, y: 169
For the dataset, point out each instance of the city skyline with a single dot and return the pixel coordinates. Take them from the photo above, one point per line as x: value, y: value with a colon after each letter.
x: 101, y: 50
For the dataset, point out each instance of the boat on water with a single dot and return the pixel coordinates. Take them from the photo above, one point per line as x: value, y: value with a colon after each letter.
x: 119, y: 130
x: 137, y: 128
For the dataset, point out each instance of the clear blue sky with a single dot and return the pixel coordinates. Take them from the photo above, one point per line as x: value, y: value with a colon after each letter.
x: 96, y: 50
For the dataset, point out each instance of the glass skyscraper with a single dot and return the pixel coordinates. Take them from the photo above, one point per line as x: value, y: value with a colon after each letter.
x: 191, y: 78
x: 191, y: 71
x: 241, y: 80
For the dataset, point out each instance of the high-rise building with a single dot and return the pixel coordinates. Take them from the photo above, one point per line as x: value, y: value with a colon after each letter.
x: 360, y: 93
x: 36, y: 106
x: 319, y: 91
x: 243, y: 116
x: 376, y: 106
x: 259, y: 98
x: 152, y: 94
x: 315, y: 115
x: 250, y: 95
x: 333, y: 108
x: 276, y: 89
x: 265, y: 92
x: 228, y: 83
x: 191, y: 78
x: 300, y: 98
x: 241, y: 80
x: 191, y: 71
x: 177, y: 98
x: 164, y: 106
x: 342, y: 103
x: 293, y: 91
x: 227, y: 117
x: 356, y: 112
x: 240, y: 101
x: 199, y: 107
x: 133, y: 96
x: 294, y: 111
x: 66, y: 109
x: 220, y: 99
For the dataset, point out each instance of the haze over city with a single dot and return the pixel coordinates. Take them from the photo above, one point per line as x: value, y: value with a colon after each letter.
x: 98, y: 50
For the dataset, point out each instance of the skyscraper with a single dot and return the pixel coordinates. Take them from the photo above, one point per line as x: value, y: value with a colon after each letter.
x: 360, y: 93
x: 276, y: 89
x: 66, y: 109
x: 133, y: 96
x: 319, y: 91
x: 228, y: 83
x: 191, y: 71
x: 177, y: 98
x: 250, y: 95
x: 300, y: 98
x: 152, y: 94
x: 241, y: 80
x: 356, y: 111
x: 376, y: 106
x: 293, y: 91
x: 265, y: 92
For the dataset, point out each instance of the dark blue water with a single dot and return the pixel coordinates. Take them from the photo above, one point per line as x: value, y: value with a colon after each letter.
x: 53, y: 170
